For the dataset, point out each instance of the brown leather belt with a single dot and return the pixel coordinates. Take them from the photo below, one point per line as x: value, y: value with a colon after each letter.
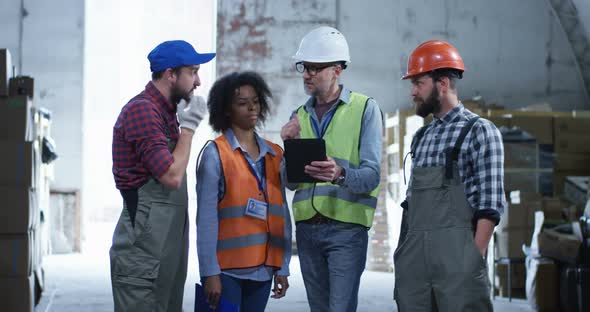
x: 317, y: 219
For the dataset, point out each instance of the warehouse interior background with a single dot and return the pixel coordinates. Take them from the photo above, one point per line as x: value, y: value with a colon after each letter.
x: 88, y: 58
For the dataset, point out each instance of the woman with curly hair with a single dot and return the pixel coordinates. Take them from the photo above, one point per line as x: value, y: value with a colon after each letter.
x: 243, y: 221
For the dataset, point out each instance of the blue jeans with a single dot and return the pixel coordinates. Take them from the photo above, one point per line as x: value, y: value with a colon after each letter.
x: 251, y: 296
x: 332, y: 258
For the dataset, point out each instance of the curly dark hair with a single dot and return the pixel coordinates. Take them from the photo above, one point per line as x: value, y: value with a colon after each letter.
x: 226, y: 88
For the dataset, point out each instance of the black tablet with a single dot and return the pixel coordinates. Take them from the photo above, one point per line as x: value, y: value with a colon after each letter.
x: 300, y: 153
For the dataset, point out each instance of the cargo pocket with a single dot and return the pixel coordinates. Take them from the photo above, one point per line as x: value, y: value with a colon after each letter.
x: 142, y: 216
x: 134, y: 282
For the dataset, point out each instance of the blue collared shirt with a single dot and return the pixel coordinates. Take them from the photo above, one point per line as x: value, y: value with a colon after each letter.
x: 210, y: 190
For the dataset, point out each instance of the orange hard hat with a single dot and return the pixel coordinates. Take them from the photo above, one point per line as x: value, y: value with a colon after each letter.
x: 431, y: 55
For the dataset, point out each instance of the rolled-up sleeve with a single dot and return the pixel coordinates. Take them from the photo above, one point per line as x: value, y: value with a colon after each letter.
x: 367, y: 176
x: 145, y: 126
x: 489, y: 199
x: 208, y: 180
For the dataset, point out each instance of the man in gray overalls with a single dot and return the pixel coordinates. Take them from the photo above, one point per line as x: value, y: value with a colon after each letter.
x: 149, y: 255
x: 455, y: 195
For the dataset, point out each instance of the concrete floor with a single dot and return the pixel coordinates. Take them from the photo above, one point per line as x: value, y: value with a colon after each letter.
x: 80, y: 283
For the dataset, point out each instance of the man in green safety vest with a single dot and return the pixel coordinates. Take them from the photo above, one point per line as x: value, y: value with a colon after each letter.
x: 333, y: 216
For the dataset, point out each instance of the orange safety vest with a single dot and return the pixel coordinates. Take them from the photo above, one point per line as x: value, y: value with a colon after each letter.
x: 244, y: 241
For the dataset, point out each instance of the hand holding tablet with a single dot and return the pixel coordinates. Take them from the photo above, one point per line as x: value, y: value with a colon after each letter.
x: 300, y: 153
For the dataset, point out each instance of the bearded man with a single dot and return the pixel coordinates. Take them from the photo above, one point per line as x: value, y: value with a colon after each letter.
x: 455, y: 196
x: 151, y: 149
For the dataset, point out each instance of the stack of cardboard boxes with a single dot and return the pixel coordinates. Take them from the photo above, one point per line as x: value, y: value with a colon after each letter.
x: 539, y: 177
x: 21, y: 276
x: 516, y: 225
x: 515, y: 230
x: 562, y: 146
x: 572, y: 150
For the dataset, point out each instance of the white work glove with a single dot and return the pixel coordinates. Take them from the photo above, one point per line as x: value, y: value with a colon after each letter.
x: 190, y: 114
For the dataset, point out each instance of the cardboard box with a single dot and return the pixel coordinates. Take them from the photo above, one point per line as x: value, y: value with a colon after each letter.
x: 17, y: 294
x: 517, y: 293
x: 21, y: 85
x: 501, y: 121
x: 520, y: 212
x: 546, y: 183
x: 19, y: 210
x: 17, y: 255
x: 571, y: 125
x: 541, y: 127
x: 559, y: 246
x: 572, y: 161
x: 517, y: 279
x: 546, y: 156
x: 572, y: 135
x: 519, y: 180
x: 16, y: 119
x: 575, y: 189
x: 572, y: 143
x: 522, y: 155
x: 5, y: 70
x: 19, y: 164
x: 509, y: 242
x: 553, y: 208
x: 559, y: 177
x: 547, y: 287
x: 572, y: 213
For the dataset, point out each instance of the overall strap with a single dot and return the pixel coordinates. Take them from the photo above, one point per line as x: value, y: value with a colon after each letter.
x: 452, y: 153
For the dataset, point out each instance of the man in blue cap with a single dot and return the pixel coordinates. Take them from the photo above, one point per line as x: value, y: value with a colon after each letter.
x: 151, y: 149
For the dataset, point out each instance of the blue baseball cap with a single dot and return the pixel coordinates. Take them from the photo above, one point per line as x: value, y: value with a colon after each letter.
x: 174, y: 53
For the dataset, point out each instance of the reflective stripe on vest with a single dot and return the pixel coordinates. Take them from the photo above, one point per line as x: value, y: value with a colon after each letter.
x: 245, y: 241
x: 342, y: 138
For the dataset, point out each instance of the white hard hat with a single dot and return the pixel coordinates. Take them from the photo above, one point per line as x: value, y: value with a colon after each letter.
x: 323, y: 45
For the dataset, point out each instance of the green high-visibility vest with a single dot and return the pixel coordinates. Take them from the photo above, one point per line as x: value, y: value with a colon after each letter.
x: 342, y: 137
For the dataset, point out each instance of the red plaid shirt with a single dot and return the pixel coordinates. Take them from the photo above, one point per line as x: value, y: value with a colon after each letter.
x: 140, y: 138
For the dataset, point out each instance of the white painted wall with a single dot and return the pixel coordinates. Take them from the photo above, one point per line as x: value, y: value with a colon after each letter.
x: 49, y: 45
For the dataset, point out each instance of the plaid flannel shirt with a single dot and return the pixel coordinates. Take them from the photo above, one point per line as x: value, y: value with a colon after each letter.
x: 481, y: 160
x: 141, y: 135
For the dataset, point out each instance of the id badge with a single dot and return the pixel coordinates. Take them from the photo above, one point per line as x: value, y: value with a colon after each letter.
x: 256, y: 209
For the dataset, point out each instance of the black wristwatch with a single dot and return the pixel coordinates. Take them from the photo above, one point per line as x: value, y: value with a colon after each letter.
x: 340, y: 179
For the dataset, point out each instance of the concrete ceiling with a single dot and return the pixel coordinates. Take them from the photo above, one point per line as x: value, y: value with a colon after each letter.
x: 574, y: 17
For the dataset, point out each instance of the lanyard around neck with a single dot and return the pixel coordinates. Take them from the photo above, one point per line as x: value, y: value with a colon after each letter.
x: 321, y: 129
x: 258, y: 178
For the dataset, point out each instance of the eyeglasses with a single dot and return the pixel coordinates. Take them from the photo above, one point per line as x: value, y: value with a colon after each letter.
x: 300, y: 67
